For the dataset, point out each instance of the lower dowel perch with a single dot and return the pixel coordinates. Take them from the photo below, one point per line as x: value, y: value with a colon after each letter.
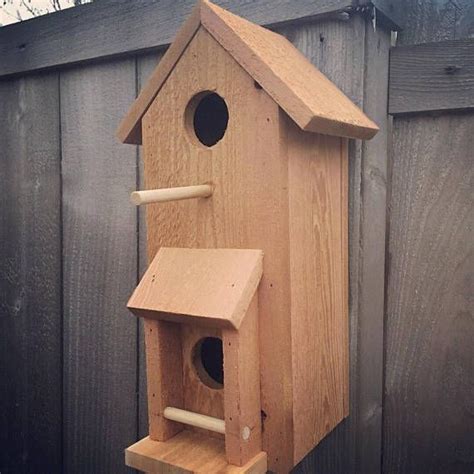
x: 245, y: 301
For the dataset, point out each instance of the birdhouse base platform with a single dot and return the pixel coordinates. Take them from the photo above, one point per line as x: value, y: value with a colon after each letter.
x: 188, y: 452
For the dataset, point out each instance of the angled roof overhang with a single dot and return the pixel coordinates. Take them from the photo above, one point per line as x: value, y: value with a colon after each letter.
x: 210, y: 287
x: 301, y: 90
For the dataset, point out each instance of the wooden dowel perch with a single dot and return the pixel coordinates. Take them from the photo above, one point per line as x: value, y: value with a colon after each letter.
x: 171, y: 194
x: 195, y: 419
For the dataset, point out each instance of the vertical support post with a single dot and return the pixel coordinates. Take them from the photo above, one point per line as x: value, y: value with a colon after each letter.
x: 243, y: 437
x: 164, y: 366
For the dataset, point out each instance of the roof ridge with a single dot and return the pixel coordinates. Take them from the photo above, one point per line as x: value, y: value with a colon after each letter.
x: 312, y: 101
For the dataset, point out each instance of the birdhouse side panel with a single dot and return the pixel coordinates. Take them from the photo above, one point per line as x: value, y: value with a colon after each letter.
x: 319, y: 284
x: 248, y: 169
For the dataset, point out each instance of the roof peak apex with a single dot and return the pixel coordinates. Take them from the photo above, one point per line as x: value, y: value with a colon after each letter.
x: 311, y: 100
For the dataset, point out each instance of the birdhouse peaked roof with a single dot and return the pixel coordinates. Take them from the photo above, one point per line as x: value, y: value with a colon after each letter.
x: 301, y: 90
x: 210, y: 287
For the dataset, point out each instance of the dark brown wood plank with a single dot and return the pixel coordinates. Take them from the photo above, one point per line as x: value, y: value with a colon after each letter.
x: 355, y: 445
x: 429, y: 381
x: 100, y: 268
x: 432, y: 77
x: 30, y: 276
x: 115, y: 27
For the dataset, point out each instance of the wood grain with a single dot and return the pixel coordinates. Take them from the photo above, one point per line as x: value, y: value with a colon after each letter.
x: 164, y: 366
x: 192, y: 229
x: 435, y: 20
x: 212, y: 287
x: 30, y: 276
x: 357, y: 440
x: 115, y: 27
x: 145, y: 65
x: 249, y: 199
x: 305, y: 94
x: 243, y: 420
x: 302, y: 91
x: 130, y: 128
x: 429, y: 381
x: 319, y: 321
x: 432, y: 77
x: 207, y: 399
x: 100, y: 267
x: 337, y: 48
x: 188, y: 453
x: 370, y: 249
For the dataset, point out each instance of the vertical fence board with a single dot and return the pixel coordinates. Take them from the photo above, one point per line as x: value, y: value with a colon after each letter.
x: 145, y: 66
x: 30, y: 276
x: 371, y: 255
x: 430, y: 329
x: 100, y: 267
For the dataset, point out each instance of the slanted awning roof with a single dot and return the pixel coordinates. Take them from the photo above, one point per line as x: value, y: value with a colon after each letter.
x: 213, y: 287
x: 302, y: 91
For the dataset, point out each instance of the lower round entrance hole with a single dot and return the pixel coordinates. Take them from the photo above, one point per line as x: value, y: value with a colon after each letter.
x: 208, y: 359
x: 210, y: 117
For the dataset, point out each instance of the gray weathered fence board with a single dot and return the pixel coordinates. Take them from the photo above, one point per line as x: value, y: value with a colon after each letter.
x: 435, y: 20
x: 430, y: 331
x: 100, y: 268
x: 432, y: 77
x: 30, y: 276
x: 113, y: 27
x: 371, y: 248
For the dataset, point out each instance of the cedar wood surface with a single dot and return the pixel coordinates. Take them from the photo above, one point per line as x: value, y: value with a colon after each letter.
x: 242, y: 401
x: 144, y: 453
x: 198, y: 397
x: 241, y: 211
x: 306, y: 95
x: 366, y: 251
x: 227, y: 221
x: 348, y: 52
x: 199, y: 283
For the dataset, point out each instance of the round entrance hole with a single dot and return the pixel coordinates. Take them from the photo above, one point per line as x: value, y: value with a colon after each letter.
x: 208, y: 116
x: 208, y: 360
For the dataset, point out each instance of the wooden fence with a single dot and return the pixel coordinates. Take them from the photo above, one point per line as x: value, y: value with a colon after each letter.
x: 73, y: 247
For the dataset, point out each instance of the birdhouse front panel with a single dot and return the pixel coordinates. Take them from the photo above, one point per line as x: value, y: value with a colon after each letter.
x: 240, y: 125
x: 248, y: 168
x: 202, y: 376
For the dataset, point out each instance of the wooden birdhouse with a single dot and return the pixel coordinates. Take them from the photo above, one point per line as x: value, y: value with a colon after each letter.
x: 245, y: 301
